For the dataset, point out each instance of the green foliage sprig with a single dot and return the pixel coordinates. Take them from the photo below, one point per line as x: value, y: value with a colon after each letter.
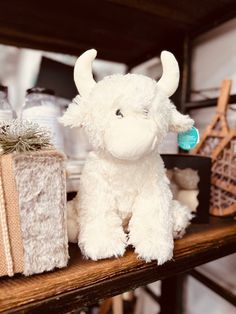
x: 23, y: 136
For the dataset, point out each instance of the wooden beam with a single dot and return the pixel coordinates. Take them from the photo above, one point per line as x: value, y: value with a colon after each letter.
x: 113, y: 50
x: 123, y: 31
x: 119, y: 33
x: 199, y: 104
x: 186, y: 73
x: 226, y: 294
x: 170, y: 13
x: 154, y: 297
x: 214, y: 18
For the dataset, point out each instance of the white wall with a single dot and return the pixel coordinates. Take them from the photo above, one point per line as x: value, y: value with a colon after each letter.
x: 214, y: 59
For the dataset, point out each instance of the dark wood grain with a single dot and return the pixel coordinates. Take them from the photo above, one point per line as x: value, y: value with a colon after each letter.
x: 85, y: 282
x: 173, y: 294
x: 199, y: 104
x: 118, y: 33
x: 124, y: 31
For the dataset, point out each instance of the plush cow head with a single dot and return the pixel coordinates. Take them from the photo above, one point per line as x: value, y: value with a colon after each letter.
x: 128, y: 115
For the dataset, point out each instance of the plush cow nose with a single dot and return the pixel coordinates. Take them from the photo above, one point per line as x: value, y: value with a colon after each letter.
x: 130, y: 138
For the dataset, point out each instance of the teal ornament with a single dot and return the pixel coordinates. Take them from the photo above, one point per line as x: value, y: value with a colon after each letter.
x: 188, y: 140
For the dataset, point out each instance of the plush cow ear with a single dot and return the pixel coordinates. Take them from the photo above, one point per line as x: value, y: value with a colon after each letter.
x: 73, y: 115
x: 178, y: 121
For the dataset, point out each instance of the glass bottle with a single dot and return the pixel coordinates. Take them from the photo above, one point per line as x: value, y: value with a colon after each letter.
x: 41, y: 107
x: 6, y: 112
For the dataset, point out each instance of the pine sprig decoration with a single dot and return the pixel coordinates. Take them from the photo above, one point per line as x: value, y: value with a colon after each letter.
x: 23, y: 136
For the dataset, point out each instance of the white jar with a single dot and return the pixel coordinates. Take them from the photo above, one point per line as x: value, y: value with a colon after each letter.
x: 6, y: 112
x: 40, y: 107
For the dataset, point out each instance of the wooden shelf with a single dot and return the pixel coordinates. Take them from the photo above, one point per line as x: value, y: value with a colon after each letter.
x: 84, y: 281
x: 206, y: 103
x: 127, y: 31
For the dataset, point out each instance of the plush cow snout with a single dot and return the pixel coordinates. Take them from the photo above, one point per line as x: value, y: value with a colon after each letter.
x: 130, y: 138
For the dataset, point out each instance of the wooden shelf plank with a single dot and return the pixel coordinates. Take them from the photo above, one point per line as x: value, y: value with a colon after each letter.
x: 123, y: 31
x: 86, y: 281
x: 118, y: 33
x: 199, y: 104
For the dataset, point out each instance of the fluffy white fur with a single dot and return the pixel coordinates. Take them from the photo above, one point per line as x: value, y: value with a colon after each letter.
x: 125, y: 118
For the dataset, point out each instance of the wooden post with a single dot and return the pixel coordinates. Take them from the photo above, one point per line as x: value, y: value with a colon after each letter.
x: 117, y: 304
x: 105, y: 306
x: 172, y: 295
x: 186, y: 74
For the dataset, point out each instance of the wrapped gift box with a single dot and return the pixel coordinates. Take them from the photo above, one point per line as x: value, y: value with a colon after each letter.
x: 33, y: 234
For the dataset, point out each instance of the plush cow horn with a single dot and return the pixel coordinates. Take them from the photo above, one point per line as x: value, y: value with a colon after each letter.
x: 170, y: 77
x: 83, y: 75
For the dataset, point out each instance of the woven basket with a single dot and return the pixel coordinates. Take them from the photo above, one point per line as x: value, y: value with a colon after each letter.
x: 223, y: 188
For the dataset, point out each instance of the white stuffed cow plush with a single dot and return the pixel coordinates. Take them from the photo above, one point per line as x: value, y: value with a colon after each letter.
x: 125, y: 117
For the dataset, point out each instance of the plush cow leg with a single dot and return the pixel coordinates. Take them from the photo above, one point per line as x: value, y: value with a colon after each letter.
x: 101, y: 234
x: 181, y: 219
x: 72, y: 221
x: 151, y: 225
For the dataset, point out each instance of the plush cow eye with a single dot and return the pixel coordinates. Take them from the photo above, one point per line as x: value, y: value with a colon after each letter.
x: 146, y: 111
x: 119, y: 113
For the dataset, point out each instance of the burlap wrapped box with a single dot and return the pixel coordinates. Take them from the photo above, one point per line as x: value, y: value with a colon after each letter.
x: 33, y: 234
